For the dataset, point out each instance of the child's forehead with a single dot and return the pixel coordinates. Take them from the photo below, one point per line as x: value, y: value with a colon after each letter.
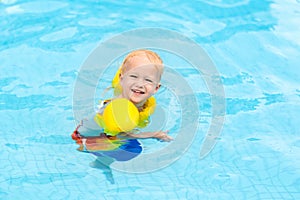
x: 141, y: 62
x: 138, y: 60
x: 144, y: 69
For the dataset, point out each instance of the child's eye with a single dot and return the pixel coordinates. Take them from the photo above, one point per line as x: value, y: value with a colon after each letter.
x: 132, y: 76
x: 149, y: 80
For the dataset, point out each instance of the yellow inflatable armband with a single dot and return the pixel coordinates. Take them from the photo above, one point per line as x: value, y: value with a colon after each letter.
x: 116, y: 83
x: 120, y: 115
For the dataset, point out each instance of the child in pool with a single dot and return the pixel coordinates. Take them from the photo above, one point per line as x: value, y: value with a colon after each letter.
x: 137, y: 80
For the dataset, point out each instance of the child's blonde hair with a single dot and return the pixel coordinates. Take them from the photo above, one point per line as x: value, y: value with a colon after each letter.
x: 152, y: 57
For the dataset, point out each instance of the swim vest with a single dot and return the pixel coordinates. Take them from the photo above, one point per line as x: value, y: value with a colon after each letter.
x: 144, y: 114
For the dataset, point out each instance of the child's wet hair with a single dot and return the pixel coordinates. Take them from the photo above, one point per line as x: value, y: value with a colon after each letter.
x: 152, y: 57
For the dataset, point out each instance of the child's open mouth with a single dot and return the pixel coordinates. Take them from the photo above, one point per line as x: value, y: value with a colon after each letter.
x: 137, y: 91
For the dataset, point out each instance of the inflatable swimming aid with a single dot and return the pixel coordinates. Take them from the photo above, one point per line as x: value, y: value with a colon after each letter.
x: 144, y: 114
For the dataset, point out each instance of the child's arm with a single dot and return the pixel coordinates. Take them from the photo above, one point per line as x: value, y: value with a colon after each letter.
x: 161, y: 135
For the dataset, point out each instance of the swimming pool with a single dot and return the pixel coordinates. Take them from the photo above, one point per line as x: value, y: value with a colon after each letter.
x: 255, y: 48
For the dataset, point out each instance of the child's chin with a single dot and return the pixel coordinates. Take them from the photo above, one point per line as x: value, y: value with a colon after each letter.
x: 136, y: 101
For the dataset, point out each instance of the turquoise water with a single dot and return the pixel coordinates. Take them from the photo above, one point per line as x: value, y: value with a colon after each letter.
x: 255, y: 47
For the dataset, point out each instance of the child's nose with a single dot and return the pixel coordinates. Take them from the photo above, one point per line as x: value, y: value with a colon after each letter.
x: 140, y: 82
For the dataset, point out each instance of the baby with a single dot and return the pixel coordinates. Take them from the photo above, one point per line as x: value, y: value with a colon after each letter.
x: 138, y: 79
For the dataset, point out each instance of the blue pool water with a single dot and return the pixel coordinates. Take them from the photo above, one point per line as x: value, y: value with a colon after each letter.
x: 255, y: 47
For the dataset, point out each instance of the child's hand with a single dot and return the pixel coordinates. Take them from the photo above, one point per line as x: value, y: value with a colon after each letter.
x: 163, y: 136
x: 160, y: 135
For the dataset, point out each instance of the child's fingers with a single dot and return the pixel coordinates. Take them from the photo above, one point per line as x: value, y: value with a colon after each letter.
x: 167, y: 138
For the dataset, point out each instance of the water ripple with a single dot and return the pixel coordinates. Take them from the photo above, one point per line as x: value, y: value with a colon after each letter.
x: 73, y: 23
x: 59, y: 35
x: 238, y: 79
x: 235, y: 105
x: 55, y: 84
x: 52, y: 139
x: 36, y: 7
x: 6, y: 81
x: 13, y: 102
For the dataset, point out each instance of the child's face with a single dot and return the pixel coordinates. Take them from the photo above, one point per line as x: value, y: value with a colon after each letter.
x: 140, y: 80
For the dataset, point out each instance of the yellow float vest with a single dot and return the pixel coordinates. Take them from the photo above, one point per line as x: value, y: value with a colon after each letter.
x: 144, y: 115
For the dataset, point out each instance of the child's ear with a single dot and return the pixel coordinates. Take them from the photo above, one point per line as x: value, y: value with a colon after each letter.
x: 157, y: 87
